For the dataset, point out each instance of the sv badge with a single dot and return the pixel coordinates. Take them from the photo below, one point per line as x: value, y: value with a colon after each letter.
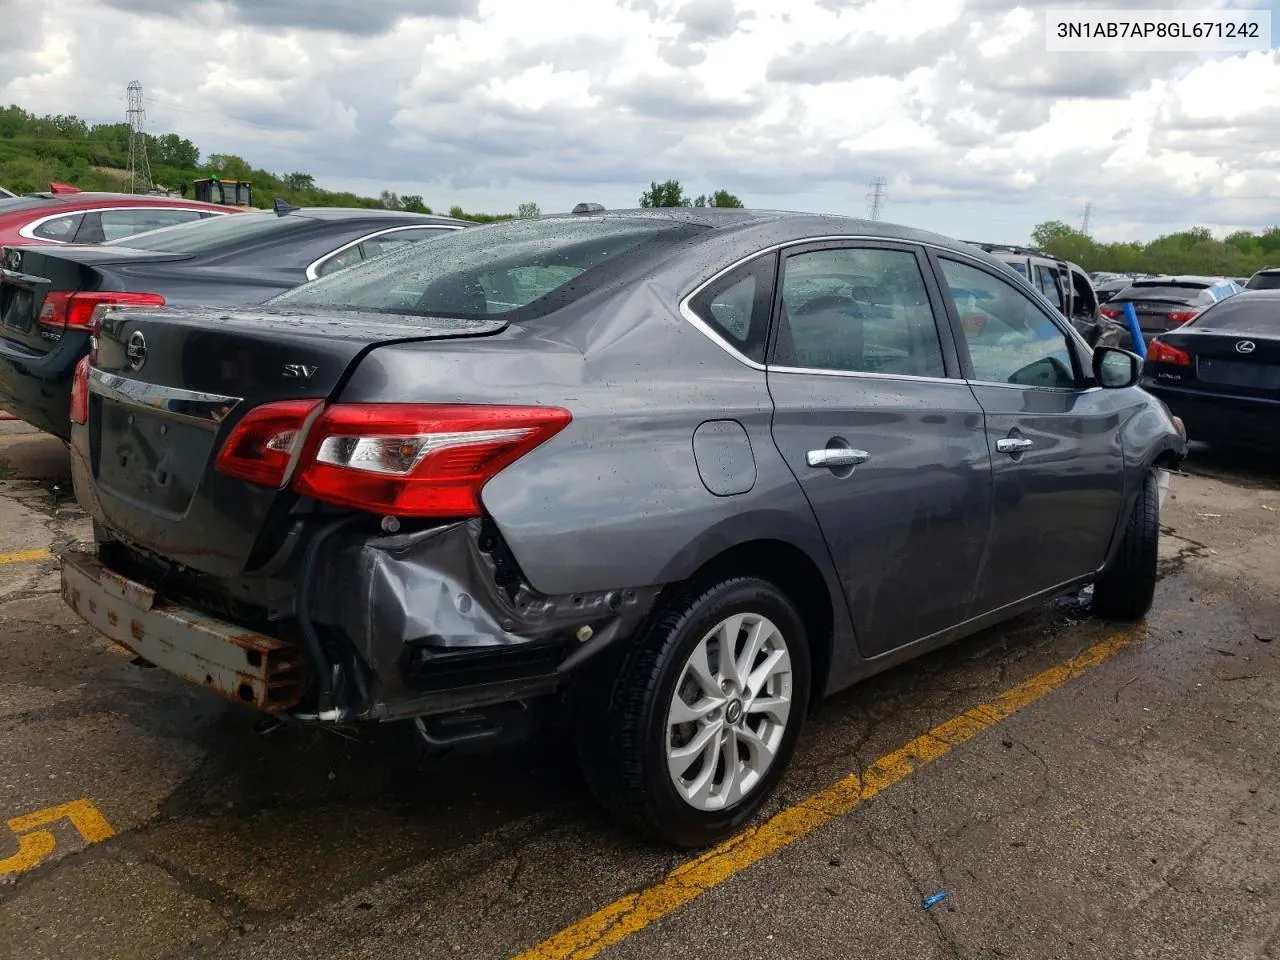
x: 298, y: 371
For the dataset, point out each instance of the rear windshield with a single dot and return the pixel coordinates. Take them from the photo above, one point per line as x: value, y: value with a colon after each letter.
x: 214, y: 233
x: 518, y: 269
x: 1242, y: 314
x: 1184, y: 292
x: 1264, y: 281
x: 11, y: 204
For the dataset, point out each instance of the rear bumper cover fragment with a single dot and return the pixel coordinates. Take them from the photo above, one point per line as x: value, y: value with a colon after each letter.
x: 251, y: 668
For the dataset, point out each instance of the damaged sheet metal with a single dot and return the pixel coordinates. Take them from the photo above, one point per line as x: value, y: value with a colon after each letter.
x: 241, y: 665
x: 452, y: 589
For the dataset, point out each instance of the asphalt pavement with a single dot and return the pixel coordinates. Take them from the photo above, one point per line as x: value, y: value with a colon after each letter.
x: 1074, y: 788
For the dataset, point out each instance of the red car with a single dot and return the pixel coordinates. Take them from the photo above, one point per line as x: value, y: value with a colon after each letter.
x: 66, y: 215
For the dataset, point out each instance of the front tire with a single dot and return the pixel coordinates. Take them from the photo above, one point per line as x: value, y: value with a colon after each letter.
x: 1127, y: 589
x: 702, y: 718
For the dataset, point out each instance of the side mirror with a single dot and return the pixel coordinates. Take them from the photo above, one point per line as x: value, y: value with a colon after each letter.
x: 1114, y: 368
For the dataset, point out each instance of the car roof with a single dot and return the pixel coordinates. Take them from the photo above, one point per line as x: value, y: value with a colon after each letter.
x: 782, y: 226
x: 1272, y: 294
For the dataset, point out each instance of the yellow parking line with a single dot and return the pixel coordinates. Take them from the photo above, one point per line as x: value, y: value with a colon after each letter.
x: 589, y: 936
x: 23, y: 556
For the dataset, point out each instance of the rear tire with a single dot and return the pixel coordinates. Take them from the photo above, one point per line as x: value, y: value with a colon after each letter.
x: 683, y: 746
x: 1127, y: 589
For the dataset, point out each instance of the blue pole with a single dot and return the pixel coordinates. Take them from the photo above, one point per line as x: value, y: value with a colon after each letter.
x: 1135, y: 331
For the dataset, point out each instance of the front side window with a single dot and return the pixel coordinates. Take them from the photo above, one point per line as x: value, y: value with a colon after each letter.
x: 857, y: 310
x: 1048, y: 282
x: 1010, y: 339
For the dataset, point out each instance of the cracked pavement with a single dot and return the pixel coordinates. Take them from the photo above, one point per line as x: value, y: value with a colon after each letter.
x: 1133, y: 812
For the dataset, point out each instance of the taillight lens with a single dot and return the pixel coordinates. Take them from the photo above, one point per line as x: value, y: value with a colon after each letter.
x: 418, y: 460
x: 80, y: 393
x: 1158, y: 352
x: 263, y: 444
x: 64, y: 311
x: 1111, y: 313
x: 1182, y: 316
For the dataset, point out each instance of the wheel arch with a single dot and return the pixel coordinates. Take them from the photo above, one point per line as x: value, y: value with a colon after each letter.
x: 793, y: 571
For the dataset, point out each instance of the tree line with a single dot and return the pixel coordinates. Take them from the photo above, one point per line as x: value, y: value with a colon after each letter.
x: 1194, y: 251
x: 35, y: 150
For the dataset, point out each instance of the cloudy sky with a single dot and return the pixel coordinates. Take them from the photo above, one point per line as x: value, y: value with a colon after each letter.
x: 793, y: 104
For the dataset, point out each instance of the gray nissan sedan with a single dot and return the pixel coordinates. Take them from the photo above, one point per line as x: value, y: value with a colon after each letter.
x: 675, y: 475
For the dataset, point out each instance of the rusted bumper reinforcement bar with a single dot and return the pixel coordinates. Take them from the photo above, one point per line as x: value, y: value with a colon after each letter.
x: 240, y: 665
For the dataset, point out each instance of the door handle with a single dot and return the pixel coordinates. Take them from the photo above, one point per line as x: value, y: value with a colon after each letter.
x: 837, y: 457
x: 1014, y: 445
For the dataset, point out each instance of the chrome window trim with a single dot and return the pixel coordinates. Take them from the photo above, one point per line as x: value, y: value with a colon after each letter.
x: 208, y: 409
x: 28, y: 230
x: 867, y: 374
x: 686, y: 311
x: 313, y: 270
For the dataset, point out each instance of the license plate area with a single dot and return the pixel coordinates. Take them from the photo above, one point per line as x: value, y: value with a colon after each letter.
x: 1255, y: 376
x: 151, y: 458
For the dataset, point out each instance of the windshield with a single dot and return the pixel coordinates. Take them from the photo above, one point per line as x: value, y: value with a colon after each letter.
x: 524, y: 268
x: 1181, y: 292
x: 201, y: 236
x: 1264, y: 281
x: 1242, y: 314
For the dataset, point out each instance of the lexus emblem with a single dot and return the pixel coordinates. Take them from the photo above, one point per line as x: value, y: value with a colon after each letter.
x: 136, y: 350
x: 1245, y: 346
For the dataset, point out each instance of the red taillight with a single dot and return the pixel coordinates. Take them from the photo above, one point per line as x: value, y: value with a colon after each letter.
x: 263, y: 443
x: 1182, y: 316
x: 1111, y: 313
x: 74, y: 311
x: 1158, y: 352
x: 80, y: 393
x: 418, y: 460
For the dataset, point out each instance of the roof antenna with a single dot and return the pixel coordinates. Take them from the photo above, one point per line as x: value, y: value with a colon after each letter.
x: 282, y: 207
x: 582, y: 208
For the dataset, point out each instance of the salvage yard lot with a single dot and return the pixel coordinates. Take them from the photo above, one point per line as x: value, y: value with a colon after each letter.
x: 1129, y: 808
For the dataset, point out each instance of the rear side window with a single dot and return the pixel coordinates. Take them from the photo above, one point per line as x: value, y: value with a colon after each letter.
x: 62, y: 229
x: 125, y: 223
x: 1242, y: 314
x: 857, y: 310
x: 736, y: 306
x: 518, y: 269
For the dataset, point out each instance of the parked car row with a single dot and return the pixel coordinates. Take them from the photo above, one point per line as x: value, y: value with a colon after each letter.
x: 49, y: 293
x: 1220, y: 370
x: 1166, y: 303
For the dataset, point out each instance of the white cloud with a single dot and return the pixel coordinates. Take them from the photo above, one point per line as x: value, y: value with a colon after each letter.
x: 790, y: 103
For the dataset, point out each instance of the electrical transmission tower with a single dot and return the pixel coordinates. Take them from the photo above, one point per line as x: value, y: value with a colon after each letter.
x: 877, y: 197
x: 1084, y: 221
x: 139, y: 165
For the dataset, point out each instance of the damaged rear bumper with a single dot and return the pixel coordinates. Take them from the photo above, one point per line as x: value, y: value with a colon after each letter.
x: 251, y: 668
x: 417, y: 624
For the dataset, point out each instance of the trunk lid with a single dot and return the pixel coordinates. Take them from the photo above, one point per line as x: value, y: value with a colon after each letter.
x: 168, y: 388
x: 30, y: 274
x: 1240, y: 364
x: 1153, y: 313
